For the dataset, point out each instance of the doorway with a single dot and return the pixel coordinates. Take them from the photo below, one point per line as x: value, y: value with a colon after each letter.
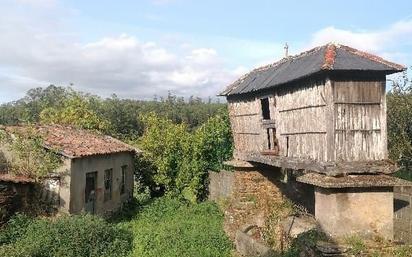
x: 90, y: 192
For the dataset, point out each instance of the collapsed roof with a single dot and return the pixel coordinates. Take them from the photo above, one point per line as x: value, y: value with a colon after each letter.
x: 329, y: 57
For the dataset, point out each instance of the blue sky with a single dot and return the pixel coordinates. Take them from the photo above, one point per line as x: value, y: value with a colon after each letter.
x: 141, y: 48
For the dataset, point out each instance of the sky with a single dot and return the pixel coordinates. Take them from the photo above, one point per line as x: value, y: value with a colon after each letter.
x: 142, y: 48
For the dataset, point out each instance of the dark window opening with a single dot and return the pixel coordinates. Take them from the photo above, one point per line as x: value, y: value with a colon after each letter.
x: 272, y: 141
x: 108, y: 179
x: 287, y: 146
x: 265, y: 108
x: 123, y: 180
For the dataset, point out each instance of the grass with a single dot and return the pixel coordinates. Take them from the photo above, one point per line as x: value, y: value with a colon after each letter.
x: 66, y: 236
x: 170, y: 227
x: 160, y: 227
x: 356, y: 244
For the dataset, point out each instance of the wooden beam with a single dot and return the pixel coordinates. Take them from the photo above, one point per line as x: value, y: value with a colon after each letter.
x: 327, y: 168
x: 303, y: 132
x: 303, y: 107
x: 359, y: 103
x: 245, y: 114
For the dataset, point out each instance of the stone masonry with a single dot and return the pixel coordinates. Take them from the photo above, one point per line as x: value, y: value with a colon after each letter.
x: 253, y: 194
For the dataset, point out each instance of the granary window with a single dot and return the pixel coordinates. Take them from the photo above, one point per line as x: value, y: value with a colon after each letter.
x: 108, y: 181
x: 264, y: 102
x: 272, y: 141
x: 123, y: 180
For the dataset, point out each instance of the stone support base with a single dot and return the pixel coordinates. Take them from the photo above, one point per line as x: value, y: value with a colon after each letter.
x: 366, y: 212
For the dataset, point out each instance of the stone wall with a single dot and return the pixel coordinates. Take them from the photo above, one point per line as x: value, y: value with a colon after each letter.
x: 14, y: 197
x: 246, y: 194
x: 403, y: 214
x: 250, y: 193
x: 220, y: 184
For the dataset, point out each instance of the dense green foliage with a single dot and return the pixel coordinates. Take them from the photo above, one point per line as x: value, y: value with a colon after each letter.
x: 169, y: 227
x: 30, y: 158
x: 75, y: 110
x: 74, y: 236
x: 399, y: 102
x: 182, y: 139
x: 114, y: 116
x: 180, y: 158
x: 164, y: 227
x: 399, y: 108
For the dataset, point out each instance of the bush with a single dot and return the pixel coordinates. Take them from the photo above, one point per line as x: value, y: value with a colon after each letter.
x: 177, y: 160
x: 30, y: 158
x: 69, y: 236
x: 399, y: 102
x: 15, y: 229
x: 169, y: 227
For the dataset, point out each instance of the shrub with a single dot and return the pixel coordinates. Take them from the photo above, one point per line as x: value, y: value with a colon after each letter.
x: 69, y: 236
x: 399, y: 102
x: 170, y: 227
x: 15, y: 229
x: 176, y: 161
x: 30, y: 158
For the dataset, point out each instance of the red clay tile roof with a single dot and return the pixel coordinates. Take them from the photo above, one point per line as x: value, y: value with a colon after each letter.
x: 73, y: 142
x: 329, y: 57
x: 6, y: 177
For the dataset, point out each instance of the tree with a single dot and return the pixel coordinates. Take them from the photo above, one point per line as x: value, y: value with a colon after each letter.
x: 399, y: 105
x: 75, y: 110
x: 180, y: 159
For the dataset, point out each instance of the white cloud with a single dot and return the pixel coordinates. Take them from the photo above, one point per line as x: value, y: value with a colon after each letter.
x: 120, y: 64
x: 378, y: 41
x: 37, y: 49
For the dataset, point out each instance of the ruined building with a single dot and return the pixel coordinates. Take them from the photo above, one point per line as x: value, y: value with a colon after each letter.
x: 96, y: 171
x: 319, y: 119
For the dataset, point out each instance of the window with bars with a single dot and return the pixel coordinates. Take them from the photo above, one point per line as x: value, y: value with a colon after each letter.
x: 108, y: 182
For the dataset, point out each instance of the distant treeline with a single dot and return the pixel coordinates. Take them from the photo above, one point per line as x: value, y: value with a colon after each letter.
x: 122, y: 118
x: 114, y: 116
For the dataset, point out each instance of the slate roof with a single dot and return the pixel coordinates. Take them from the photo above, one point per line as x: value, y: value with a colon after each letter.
x: 332, y: 57
x: 73, y: 142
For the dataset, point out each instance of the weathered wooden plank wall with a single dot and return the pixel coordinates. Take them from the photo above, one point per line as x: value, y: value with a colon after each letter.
x: 246, y: 125
x: 323, y: 120
x: 302, y: 121
x: 358, y: 120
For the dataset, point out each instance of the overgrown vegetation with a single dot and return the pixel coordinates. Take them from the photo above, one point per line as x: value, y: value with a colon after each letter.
x: 75, y: 110
x: 180, y: 158
x: 272, y: 229
x: 399, y: 108
x: 164, y: 227
x: 29, y: 157
x: 170, y: 227
x: 113, y: 116
x: 68, y: 236
x: 399, y: 120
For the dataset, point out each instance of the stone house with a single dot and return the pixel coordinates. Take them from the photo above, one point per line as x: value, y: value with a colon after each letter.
x: 96, y: 174
x: 317, y: 122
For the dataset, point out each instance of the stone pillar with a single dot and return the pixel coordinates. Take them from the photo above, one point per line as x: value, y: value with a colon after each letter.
x: 366, y: 212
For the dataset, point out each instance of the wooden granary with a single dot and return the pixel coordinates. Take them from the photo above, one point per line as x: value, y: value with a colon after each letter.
x: 322, y: 112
